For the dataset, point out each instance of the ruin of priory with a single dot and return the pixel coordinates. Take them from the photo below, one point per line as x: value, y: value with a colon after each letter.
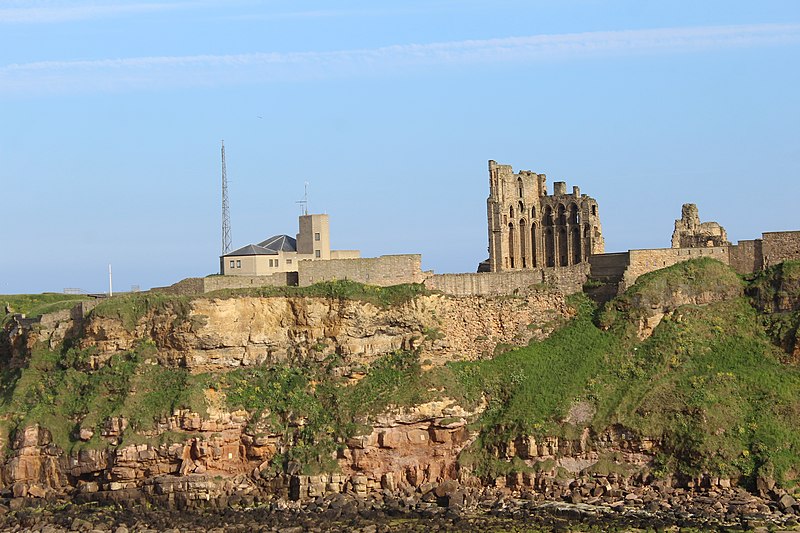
x: 529, y: 228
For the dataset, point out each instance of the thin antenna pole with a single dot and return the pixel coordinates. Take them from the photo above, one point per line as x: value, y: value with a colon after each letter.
x: 304, y: 201
x: 226, y: 215
x: 110, y: 284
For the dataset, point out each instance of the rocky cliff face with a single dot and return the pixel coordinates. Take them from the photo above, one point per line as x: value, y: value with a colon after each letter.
x: 220, y: 334
x: 189, y: 457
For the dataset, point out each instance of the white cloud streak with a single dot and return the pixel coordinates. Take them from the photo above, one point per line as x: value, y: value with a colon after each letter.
x: 57, y: 12
x: 215, y: 70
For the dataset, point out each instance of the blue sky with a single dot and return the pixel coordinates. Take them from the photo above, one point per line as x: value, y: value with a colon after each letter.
x: 111, y: 116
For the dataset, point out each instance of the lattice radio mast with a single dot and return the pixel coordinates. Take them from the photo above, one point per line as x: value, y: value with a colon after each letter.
x: 226, y: 215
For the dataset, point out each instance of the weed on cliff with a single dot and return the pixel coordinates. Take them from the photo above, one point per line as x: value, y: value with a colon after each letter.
x: 57, y: 391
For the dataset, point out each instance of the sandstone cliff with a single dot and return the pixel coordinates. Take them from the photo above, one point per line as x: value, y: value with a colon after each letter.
x: 214, y: 399
x: 217, y: 334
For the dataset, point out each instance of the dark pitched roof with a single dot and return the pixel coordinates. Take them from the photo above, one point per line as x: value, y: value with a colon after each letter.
x: 251, y: 249
x: 280, y: 243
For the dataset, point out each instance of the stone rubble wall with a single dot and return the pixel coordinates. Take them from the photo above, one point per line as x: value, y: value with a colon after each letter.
x: 567, y: 279
x: 644, y: 261
x: 382, y: 271
x: 191, y: 286
x: 780, y: 246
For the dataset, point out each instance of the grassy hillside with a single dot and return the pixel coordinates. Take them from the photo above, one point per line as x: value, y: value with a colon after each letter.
x: 712, y: 383
x: 34, y: 305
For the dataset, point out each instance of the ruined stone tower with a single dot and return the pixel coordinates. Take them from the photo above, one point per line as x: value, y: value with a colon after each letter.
x: 691, y: 233
x: 530, y: 229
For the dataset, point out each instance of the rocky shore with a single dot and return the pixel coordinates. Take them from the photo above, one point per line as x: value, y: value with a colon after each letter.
x: 443, y: 507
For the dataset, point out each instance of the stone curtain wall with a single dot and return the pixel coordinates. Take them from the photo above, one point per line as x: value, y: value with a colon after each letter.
x: 745, y: 257
x: 383, y: 271
x: 279, y: 279
x: 567, y: 279
x: 215, y: 283
x: 644, y: 261
x: 779, y: 246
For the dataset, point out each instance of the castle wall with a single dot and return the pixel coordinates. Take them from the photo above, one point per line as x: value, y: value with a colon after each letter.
x: 779, y: 246
x: 746, y: 257
x: 568, y: 279
x: 384, y: 271
x: 190, y: 286
x: 644, y: 261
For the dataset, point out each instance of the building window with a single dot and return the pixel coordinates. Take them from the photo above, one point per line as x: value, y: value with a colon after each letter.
x: 288, y: 261
x: 276, y: 262
x: 316, y: 253
x: 238, y: 263
x: 316, y: 236
x: 231, y: 263
x: 271, y: 262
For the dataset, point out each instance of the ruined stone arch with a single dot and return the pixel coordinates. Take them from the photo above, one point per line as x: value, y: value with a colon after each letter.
x: 563, y: 249
x: 577, y: 249
x: 562, y: 215
x: 534, y: 241
x: 587, y: 239
x: 511, y: 244
x: 547, y: 216
x: 549, y: 247
x: 574, y: 214
x: 520, y: 187
x: 511, y: 212
x: 533, y: 213
x: 523, y: 244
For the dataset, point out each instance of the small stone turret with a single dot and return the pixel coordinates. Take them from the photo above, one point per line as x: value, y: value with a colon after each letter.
x: 691, y: 233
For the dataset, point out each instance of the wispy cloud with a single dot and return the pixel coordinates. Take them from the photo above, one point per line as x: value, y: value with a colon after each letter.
x: 52, y: 12
x: 214, y: 70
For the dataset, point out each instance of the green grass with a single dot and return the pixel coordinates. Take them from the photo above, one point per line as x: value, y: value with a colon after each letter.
x: 131, y: 308
x: 56, y: 391
x: 337, y: 290
x: 35, y: 305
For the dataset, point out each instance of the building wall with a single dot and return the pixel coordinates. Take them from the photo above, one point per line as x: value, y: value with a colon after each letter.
x: 779, y: 246
x: 384, y: 271
x: 314, y: 236
x: 568, y: 279
x: 644, y: 261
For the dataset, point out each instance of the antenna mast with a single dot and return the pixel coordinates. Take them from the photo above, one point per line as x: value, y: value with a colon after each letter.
x: 226, y: 215
x: 304, y: 201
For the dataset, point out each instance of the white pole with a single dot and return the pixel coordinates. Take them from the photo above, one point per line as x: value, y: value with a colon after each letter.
x: 110, y: 289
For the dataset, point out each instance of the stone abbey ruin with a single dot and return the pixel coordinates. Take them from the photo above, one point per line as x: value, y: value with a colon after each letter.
x: 530, y: 229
